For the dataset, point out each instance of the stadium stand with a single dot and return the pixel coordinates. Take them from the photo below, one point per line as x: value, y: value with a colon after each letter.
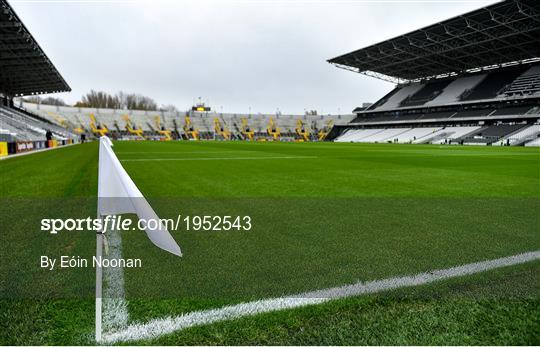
x: 24, y: 67
x: 25, y: 70
x: 471, y: 79
x: 492, y: 85
x: 474, y: 112
x: 416, y: 134
x: 523, y: 136
x: 428, y: 92
x: 355, y: 135
x: 27, y: 128
x: 533, y: 143
x: 116, y: 121
x: 435, y: 115
x: 448, y: 135
x: 492, y: 133
x: 453, y: 91
x: 526, y: 84
x: 398, y: 96
x: 435, y: 135
x: 386, y: 135
x: 511, y: 111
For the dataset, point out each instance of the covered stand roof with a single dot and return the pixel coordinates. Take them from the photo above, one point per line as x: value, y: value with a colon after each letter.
x: 505, y: 32
x: 24, y: 67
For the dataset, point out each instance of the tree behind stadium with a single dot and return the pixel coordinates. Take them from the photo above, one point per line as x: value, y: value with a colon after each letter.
x: 121, y: 100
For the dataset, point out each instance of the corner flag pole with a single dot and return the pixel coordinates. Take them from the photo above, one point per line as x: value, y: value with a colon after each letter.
x: 118, y: 194
x: 99, y: 283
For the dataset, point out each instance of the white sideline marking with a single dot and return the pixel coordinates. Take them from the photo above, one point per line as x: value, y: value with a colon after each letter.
x: 230, y: 158
x: 159, y: 327
x: 35, y: 151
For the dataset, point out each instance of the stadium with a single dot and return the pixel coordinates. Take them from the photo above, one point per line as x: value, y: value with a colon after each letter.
x: 413, y: 220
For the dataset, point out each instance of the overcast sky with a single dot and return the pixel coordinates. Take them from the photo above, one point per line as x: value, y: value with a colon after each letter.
x: 236, y: 55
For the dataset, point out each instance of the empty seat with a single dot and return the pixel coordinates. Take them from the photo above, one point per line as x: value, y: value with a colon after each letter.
x: 455, y: 89
x: 25, y: 127
x: 429, y: 91
x: 473, y: 113
x: 396, y: 98
x: 526, y: 84
x: 524, y: 135
x: 387, y: 135
x: 533, y: 143
x: 492, y: 133
x: 416, y: 134
x: 355, y: 135
x: 511, y: 111
x: 438, y: 115
x: 490, y: 86
x: 448, y: 134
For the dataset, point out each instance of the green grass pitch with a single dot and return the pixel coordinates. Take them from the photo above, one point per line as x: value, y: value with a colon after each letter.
x: 323, y: 215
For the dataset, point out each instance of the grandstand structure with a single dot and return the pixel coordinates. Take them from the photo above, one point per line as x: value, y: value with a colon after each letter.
x: 187, y: 125
x: 25, y: 70
x: 473, y: 79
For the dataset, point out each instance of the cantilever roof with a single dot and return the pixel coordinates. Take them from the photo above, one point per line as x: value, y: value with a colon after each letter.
x: 24, y: 67
x: 505, y: 32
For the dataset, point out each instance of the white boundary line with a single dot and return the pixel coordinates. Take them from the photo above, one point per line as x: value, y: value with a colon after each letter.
x: 16, y: 155
x: 162, y: 326
x: 225, y: 158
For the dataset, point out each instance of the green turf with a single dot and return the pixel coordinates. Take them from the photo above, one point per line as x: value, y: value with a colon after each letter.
x: 327, y: 214
x: 498, y: 307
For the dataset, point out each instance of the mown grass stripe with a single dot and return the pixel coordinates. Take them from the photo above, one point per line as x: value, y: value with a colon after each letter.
x: 223, y: 158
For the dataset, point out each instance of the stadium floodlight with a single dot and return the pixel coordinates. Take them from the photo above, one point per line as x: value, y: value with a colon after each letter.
x: 118, y: 194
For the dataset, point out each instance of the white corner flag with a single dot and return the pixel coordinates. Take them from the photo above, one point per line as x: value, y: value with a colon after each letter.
x: 117, y: 194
